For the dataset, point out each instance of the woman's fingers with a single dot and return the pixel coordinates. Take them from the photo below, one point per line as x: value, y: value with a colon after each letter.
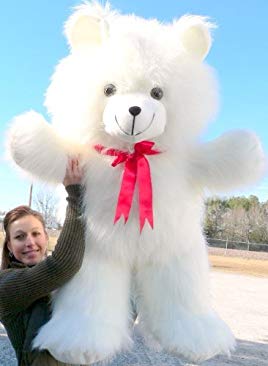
x: 74, y: 172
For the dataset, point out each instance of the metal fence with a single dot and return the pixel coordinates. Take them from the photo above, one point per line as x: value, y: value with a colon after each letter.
x: 240, y: 245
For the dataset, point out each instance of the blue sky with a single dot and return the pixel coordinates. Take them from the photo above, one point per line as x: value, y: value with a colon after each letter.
x: 32, y: 43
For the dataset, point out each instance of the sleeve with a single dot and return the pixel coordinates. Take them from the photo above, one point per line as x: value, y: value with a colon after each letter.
x: 19, y: 288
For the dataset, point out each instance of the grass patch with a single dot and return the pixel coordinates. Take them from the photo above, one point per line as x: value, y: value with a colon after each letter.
x: 253, y: 267
x: 247, y: 266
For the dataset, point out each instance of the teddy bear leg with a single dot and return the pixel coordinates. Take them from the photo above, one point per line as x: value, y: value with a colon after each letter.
x: 174, y: 307
x: 90, y: 314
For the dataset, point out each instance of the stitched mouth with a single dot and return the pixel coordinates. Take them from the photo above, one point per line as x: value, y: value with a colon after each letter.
x: 132, y: 132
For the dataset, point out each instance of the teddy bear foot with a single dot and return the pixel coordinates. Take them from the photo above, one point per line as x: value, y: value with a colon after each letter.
x: 78, y: 346
x: 196, y: 337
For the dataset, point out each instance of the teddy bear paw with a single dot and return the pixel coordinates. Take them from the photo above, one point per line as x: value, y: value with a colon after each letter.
x: 78, y: 346
x: 196, y: 337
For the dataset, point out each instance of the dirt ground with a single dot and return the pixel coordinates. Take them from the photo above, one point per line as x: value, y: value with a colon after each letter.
x: 239, y: 289
x: 248, y: 266
x: 241, y: 300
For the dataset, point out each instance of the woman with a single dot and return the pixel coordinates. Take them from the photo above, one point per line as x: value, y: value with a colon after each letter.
x: 28, y: 276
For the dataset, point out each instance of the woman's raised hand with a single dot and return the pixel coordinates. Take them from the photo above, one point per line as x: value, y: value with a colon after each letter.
x: 74, y: 173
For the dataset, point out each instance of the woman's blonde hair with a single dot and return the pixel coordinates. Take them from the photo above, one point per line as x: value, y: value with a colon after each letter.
x: 11, y: 216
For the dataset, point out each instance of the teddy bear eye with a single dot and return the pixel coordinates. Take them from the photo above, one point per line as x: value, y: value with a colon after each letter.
x: 157, y: 93
x: 109, y: 90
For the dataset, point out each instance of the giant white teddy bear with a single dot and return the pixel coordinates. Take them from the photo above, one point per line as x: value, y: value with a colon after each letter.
x: 132, y: 99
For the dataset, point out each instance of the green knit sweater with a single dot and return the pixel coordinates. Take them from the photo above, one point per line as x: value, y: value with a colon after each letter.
x: 25, y: 291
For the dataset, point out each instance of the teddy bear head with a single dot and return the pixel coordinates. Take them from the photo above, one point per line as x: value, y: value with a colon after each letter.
x: 129, y: 79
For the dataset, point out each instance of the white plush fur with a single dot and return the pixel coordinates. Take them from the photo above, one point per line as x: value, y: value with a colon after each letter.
x: 168, y: 264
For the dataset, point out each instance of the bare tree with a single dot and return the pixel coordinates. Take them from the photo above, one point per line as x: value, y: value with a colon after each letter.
x: 2, y: 215
x: 46, y: 203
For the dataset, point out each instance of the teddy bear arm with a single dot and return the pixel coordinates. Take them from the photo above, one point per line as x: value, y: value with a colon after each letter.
x: 36, y: 148
x: 232, y: 161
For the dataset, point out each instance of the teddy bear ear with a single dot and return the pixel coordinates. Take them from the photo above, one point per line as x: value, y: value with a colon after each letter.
x: 195, y: 35
x: 86, y: 30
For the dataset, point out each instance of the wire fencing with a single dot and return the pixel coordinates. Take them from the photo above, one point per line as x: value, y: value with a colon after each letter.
x: 239, y: 245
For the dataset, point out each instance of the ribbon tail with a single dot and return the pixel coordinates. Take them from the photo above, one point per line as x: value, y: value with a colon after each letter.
x: 145, y: 192
x: 126, y: 193
x: 142, y: 222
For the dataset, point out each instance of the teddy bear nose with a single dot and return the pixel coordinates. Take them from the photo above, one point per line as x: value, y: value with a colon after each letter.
x: 134, y: 110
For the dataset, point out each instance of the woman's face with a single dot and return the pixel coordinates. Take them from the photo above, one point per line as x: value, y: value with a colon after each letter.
x: 28, y: 240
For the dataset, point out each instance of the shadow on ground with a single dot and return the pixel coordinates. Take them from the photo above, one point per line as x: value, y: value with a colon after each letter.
x: 247, y: 354
x: 7, y: 355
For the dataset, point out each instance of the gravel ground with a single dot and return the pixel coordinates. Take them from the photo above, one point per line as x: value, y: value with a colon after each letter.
x: 238, y: 253
x: 240, y: 300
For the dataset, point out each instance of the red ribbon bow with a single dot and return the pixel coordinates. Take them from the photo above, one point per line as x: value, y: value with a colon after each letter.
x: 136, y: 168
